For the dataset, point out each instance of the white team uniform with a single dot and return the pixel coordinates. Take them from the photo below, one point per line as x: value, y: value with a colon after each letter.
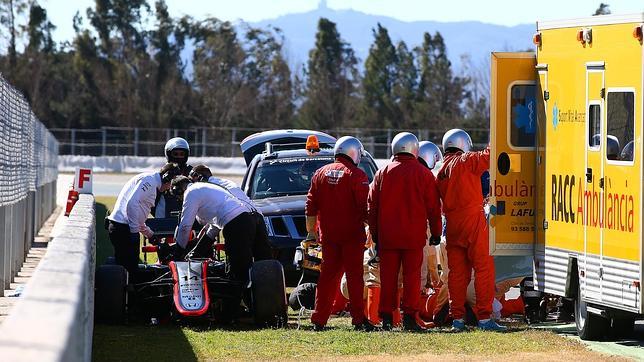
x: 208, y: 204
x: 135, y: 201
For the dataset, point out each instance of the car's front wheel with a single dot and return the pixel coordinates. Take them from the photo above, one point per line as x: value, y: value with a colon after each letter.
x: 110, y: 294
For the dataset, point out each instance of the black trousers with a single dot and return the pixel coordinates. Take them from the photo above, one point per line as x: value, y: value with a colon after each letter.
x: 246, y: 239
x: 126, y: 245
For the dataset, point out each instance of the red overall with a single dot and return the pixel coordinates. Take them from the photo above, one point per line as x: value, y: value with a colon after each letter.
x: 402, y: 199
x: 338, y: 197
x: 459, y: 184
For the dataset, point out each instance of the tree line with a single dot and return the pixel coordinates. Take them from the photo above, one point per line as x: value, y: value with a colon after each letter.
x: 120, y: 71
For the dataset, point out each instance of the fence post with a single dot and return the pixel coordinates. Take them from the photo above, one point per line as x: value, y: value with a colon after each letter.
x: 388, y: 142
x: 104, y: 136
x: 233, y: 137
x: 4, y: 279
x: 136, y: 141
x: 73, y: 141
x: 8, y: 256
x: 203, y: 142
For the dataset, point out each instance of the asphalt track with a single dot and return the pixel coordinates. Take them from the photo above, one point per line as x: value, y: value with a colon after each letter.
x: 632, y: 347
x: 106, y: 184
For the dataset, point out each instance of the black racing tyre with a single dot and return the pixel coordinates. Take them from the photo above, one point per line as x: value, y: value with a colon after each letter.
x: 621, y: 328
x: 590, y: 327
x: 268, y: 293
x: 303, y: 296
x: 109, y: 294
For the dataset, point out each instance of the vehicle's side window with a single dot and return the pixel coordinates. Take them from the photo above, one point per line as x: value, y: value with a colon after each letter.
x: 523, y: 115
x: 594, y: 124
x: 620, y: 126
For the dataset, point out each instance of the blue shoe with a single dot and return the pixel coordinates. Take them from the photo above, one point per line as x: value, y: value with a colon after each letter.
x: 492, y: 325
x: 458, y: 325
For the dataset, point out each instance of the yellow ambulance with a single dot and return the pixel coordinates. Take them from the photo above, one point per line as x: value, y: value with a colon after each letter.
x: 566, y: 165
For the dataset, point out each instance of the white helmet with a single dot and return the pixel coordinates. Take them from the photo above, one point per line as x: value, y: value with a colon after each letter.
x: 178, y: 144
x: 350, y: 147
x: 457, y: 138
x: 429, y: 153
x: 405, y: 142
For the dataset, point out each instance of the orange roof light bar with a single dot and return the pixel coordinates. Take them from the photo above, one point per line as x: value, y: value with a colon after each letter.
x: 312, y: 144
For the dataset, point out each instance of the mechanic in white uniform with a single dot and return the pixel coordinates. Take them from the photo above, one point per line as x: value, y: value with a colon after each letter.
x: 132, y: 208
x: 212, y: 204
x: 201, y: 173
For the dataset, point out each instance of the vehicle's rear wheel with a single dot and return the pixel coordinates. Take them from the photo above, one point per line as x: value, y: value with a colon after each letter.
x: 109, y: 294
x: 589, y: 326
x: 268, y: 293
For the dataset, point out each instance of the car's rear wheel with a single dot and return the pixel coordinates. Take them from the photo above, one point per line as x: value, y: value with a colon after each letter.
x: 268, y: 293
x: 110, y: 294
x: 589, y: 326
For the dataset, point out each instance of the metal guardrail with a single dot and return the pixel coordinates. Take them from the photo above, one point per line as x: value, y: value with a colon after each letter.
x: 28, y: 173
x: 216, y: 142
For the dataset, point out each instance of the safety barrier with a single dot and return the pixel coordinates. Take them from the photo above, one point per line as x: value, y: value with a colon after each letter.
x: 54, y: 317
x: 233, y: 166
x: 28, y: 173
x: 132, y: 164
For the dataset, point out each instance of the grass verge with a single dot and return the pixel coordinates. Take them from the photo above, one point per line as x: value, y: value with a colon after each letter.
x: 195, y: 343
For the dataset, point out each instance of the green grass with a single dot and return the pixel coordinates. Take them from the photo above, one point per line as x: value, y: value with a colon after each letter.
x: 165, y: 343
x: 103, y: 246
x: 197, y: 343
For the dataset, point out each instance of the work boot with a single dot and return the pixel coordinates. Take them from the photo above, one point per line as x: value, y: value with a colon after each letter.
x: 491, y: 325
x: 410, y: 324
x: 387, y: 322
x: 458, y: 325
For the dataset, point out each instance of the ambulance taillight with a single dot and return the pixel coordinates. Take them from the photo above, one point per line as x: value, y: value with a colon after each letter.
x: 585, y: 35
x: 638, y: 33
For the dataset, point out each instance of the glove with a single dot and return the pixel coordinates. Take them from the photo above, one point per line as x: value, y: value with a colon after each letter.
x: 434, y: 240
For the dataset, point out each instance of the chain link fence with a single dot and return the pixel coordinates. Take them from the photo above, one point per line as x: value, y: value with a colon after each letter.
x: 216, y: 142
x: 28, y: 173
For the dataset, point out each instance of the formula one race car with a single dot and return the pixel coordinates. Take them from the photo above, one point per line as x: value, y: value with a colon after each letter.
x: 189, y: 288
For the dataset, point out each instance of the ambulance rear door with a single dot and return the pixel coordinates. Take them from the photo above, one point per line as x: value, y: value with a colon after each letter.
x: 513, y: 127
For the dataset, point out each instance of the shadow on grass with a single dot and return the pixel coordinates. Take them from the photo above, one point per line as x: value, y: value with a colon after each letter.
x: 141, y: 343
x: 104, y: 247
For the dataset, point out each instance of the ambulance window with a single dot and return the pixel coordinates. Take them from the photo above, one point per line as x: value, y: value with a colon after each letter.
x: 523, y: 113
x: 620, y: 126
x: 594, y: 122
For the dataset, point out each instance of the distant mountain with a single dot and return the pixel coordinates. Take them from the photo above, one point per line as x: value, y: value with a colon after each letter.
x: 474, y: 38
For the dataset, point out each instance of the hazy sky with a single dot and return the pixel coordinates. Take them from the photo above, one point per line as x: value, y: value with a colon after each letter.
x: 504, y: 12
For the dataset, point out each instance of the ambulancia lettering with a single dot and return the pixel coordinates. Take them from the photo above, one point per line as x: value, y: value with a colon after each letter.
x: 574, y: 205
